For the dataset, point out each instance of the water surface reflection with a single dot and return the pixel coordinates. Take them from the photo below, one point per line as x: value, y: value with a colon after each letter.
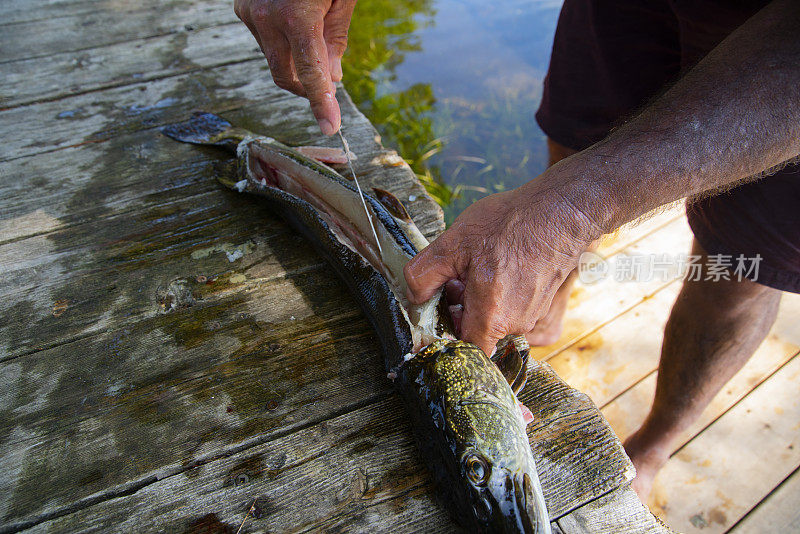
x: 454, y: 85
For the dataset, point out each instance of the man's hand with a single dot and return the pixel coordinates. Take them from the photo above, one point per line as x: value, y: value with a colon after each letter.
x: 303, y: 41
x: 511, y: 251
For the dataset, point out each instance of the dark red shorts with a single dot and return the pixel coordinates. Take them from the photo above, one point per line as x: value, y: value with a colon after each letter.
x: 611, y: 57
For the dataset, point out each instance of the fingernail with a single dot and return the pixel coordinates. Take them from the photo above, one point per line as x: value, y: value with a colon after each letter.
x: 326, y: 127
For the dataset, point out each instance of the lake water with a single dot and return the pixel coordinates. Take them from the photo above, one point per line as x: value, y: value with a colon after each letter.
x: 453, y: 85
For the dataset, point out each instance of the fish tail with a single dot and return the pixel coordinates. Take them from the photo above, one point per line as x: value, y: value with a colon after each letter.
x: 206, y: 129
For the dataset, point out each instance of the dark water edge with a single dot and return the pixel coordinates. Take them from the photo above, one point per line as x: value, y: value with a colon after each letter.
x: 453, y: 86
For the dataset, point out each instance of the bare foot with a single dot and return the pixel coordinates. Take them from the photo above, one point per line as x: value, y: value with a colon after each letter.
x: 548, y: 329
x: 648, y: 457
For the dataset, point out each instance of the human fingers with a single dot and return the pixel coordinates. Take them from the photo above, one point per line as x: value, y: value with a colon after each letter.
x: 482, y: 321
x: 278, y: 52
x: 310, y: 55
x: 242, y: 10
x: 337, y: 24
x: 430, y: 269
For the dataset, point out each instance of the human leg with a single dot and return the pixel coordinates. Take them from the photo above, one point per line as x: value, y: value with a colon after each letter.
x: 713, y: 329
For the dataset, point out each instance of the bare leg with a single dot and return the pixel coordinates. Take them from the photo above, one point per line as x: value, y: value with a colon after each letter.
x: 548, y: 328
x: 712, y: 331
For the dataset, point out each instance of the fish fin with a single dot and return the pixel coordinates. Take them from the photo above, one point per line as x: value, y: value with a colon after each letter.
x: 205, y: 129
x: 392, y: 203
x: 511, y: 358
x: 522, y: 348
x: 508, y: 361
x: 527, y: 415
x: 522, y: 376
x: 227, y: 172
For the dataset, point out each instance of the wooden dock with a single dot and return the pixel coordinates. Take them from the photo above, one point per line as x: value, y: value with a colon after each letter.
x: 736, y: 470
x: 174, y: 358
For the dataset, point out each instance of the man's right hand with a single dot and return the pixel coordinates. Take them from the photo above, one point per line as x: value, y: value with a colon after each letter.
x: 303, y: 41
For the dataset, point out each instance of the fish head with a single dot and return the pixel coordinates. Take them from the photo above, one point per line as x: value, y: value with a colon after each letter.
x: 487, y: 471
x: 501, y: 498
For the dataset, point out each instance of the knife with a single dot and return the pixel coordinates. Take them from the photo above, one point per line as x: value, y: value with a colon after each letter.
x: 360, y: 192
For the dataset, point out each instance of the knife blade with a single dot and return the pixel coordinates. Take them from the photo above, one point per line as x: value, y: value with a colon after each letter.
x: 346, y: 148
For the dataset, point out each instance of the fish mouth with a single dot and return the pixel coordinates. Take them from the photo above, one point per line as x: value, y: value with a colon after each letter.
x: 531, y: 506
x: 517, y: 507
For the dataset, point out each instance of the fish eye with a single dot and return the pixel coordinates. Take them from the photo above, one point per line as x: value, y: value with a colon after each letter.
x: 477, y: 469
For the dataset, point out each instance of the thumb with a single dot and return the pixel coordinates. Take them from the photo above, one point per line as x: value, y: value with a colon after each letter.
x: 429, y: 270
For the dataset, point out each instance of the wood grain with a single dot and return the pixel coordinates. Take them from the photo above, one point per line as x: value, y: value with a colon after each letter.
x: 66, y: 73
x: 77, y: 26
x: 350, y: 471
x: 171, y: 352
x: 778, y: 512
x: 627, y: 411
x: 718, y: 476
x: 189, y: 422
x: 617, y: 511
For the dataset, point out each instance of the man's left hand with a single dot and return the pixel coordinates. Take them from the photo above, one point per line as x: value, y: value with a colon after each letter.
x: 511, y: 251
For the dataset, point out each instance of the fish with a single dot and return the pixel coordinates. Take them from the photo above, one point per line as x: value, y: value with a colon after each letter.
x: 481, y: 438
x: 468, y: 424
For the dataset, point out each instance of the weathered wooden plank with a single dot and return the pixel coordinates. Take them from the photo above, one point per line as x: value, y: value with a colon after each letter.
x: 618, y: 355
x: 722, y: 473
x: 626, y: 412
x: 110, y: 275
x: 199, y: 382
x: 51, y: 192
x: 98, y: 117
x: 143, y: 166
x: 110, y: 22
x: 593, y: 305
x: 359, y: 468
x: 778, y: 512
x: 353, y: 471
x: 568, y: 432
x: 617, y: 511
x: 67, y: 73
x: 15, y: 11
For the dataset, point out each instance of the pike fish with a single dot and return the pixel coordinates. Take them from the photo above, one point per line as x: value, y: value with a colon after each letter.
x: 467, y: 421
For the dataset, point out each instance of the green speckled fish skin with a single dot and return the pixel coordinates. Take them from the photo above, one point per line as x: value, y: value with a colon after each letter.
x: 486, y: 469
